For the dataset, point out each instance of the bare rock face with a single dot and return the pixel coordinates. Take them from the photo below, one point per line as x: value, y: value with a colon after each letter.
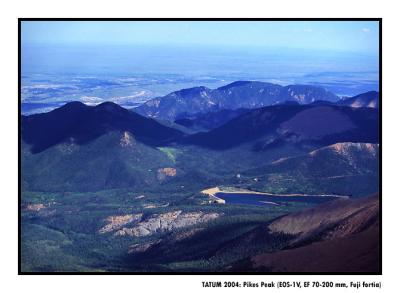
x: 163, y: 173
x: 35, y: 207
x: 40, y: 209
x: 68, y: 147
x: 166, y: 222
x: 346, y: 148
x: 116, y: 222
x: 165, y: 242
x: 126, y: 140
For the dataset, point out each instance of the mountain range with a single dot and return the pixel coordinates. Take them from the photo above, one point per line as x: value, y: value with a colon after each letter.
x: 239, y: 94
x: 187, y: 103
x: 106, y: 146
x: 296, y: 124
x: 267, y: 127
x: 107, y: 188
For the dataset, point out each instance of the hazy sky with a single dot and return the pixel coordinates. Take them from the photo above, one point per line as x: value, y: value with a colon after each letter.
x: 349, y: 36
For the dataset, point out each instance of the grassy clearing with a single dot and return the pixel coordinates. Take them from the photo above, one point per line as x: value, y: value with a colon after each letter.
x: 172, y: 153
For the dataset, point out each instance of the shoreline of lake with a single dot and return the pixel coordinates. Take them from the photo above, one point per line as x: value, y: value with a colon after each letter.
x: 212, y: 192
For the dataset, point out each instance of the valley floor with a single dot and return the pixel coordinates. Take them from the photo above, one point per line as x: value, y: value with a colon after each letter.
x: 124, y: 230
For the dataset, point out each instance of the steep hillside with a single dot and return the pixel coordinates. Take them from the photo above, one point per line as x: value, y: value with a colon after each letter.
x: 77, y: 147
x: 340, y: 236
x: 114, y: 160
x: 343, y: 168
x: 272, y: 126
x: 210, y: 120
x: 79, y: 124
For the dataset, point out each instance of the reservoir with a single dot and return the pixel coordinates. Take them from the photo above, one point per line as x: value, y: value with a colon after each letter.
x: 262, y: 200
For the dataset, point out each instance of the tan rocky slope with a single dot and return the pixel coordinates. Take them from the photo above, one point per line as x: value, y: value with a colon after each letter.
x: 340, y: 236
x: 355, y: 253
x: 340, y: 218
x: 136, y: 225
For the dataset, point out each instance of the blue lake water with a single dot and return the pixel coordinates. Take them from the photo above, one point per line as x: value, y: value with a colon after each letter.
x: 262, y: 200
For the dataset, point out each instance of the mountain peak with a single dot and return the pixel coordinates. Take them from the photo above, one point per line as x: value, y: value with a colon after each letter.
x: 192, y: 90
x: 235, y: 84
x: 72, y: 105
x: 111, y: 107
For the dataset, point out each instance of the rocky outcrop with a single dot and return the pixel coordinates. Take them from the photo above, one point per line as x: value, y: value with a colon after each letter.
x: 117, y: 222
x: 126, y: 140
x: 163, y: 173
x: 68, y: 147
x: 35, y: 207
x: 166, y: 222
x: 166, y: 242
x: 347, y: 148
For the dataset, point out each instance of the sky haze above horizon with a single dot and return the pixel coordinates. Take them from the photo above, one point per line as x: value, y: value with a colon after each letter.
x: 341, y: 36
